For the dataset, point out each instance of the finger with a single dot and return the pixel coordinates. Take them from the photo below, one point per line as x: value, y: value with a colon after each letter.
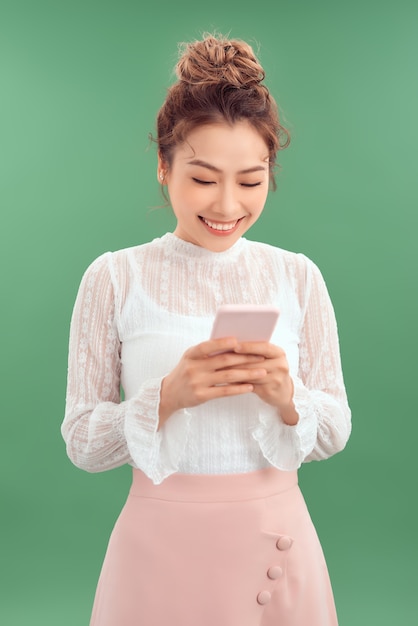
x: 262, y: 348
x: 228, y: 360
x: 234, y: 376
x: 212, y: 347
x: 223, y: 391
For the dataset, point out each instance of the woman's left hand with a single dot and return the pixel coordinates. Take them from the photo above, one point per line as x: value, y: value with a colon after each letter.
x: 276, y: 387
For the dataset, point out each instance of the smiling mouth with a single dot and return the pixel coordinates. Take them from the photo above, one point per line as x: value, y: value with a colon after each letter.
x: 220, y: 227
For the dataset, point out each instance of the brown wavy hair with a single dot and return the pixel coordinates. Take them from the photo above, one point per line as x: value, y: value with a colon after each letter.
x: 218, y: 80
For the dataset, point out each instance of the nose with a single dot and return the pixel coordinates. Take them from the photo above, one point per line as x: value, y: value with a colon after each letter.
x: 228, y: 204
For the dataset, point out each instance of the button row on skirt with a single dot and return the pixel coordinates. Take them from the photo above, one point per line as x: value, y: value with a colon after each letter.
x: 275, y: 571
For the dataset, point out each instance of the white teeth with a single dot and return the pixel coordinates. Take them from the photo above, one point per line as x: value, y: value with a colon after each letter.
x: 217, y: 226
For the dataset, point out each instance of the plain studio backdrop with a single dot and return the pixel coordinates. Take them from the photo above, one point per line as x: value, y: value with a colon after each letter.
x: 80, y: 85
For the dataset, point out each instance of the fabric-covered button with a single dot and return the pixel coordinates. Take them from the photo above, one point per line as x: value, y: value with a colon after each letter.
x: 284, y: 543
x: 275, y: 572
x: 264, y: 597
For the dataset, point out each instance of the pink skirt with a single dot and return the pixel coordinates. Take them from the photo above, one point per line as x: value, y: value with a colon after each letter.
x: 235, y: 550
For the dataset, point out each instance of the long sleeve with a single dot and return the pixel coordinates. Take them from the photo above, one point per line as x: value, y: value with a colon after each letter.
x: 319, y: 393
x: 100, y: 430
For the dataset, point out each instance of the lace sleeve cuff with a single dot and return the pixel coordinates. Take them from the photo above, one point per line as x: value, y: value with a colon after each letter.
x: 156, y: 452
x: 284, y: 446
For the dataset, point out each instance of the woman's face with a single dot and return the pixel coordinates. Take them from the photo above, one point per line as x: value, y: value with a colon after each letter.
x: 218, y: 184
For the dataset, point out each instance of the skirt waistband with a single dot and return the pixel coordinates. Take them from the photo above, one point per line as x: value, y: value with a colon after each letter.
x: 214, y: 488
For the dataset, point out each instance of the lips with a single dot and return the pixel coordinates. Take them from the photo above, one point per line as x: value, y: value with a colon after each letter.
x: 220, y: 228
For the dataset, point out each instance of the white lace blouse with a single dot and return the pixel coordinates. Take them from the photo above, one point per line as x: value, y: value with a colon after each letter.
x: 139, y: 309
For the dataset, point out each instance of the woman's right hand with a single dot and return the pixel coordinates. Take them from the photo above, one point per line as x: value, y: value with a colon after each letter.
x: 209, y: 370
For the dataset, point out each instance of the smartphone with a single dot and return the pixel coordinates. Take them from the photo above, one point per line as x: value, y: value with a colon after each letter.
x: 246, y: 322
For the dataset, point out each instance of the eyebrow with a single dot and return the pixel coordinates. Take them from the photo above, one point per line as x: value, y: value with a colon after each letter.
x: 256, y: 168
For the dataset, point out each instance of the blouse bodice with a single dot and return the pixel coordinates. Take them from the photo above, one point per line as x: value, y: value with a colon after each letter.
x: 136, y: 312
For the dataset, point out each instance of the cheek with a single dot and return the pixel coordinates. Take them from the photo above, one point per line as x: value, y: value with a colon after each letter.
x: 196, y: 199
x: 258, y: 202
x: 185, y: 191
x: 183, y: 199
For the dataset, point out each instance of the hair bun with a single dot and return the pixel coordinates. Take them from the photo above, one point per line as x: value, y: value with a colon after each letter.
x: 219, y: 60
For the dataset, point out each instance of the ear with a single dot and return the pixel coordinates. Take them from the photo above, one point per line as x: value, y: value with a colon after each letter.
x: 161, y: 170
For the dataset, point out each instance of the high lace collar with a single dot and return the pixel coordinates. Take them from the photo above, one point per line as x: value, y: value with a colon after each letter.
x: 174, y: 244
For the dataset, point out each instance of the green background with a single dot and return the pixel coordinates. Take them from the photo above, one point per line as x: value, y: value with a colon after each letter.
x: 80, y: 85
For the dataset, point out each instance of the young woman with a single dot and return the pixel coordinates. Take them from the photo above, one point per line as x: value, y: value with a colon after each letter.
x: 215, y: 530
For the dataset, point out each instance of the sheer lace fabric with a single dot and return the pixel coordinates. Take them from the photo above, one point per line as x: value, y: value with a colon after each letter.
x: 139, y: 309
